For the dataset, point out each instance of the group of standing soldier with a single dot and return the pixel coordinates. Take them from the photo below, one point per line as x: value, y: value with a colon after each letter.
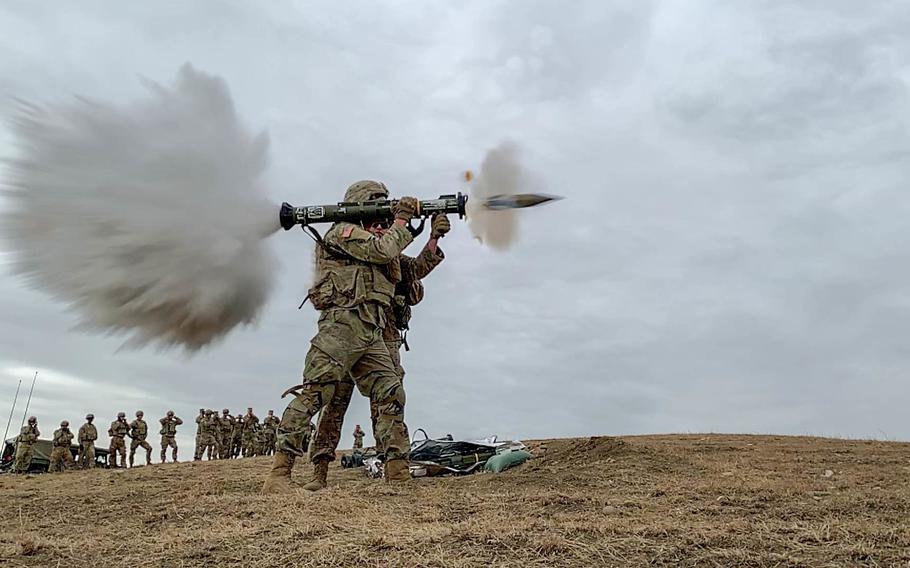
x: 217, y: 437
x: 61, y: 456
x: 227, y: 436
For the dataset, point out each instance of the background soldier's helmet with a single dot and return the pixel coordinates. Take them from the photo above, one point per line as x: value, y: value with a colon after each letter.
x: 170, y: 413
x: 208, y: 412
x: 65, y: 424
x: 121, y: 415
x: 139, y: 414
x: 89, y: 417
x: 366, y: 190
x: 32, y: 420
x: 226, y: 412
x: 201, y: 411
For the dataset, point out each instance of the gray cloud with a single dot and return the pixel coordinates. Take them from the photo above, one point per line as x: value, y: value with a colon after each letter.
x: 730, y: 256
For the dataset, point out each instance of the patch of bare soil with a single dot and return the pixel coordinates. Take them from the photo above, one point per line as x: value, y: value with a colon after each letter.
x: 692, y: 500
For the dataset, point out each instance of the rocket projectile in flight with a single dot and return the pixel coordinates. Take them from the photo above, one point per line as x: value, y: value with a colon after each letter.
x: 518, y: 201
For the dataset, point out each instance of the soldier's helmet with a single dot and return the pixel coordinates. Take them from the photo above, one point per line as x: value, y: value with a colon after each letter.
x: 201, y: 411
x: 366, y: 190
x: 139, y: 414
x: 226, y: 412
x: 32, y: 420
x: 64, y: 424
x: 89, y: 417
x: 208, y: 413
x: 170, y: 413
x: 121, y: 415
x: 271, y: 412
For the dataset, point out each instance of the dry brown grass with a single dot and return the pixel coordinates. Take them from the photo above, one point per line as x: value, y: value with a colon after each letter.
x: 694, y: 500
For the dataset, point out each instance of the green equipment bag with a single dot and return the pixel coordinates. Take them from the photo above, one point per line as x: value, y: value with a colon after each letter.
x: 502, y: 462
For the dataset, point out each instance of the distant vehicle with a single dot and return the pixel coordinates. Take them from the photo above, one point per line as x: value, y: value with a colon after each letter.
x: 41, y: 455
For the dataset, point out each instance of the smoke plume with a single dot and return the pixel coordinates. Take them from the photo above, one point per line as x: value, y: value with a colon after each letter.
x: 500, y: 174
x: 148, y: 220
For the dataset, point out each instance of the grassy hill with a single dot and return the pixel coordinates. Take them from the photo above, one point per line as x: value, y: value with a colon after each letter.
x: 684, y: 500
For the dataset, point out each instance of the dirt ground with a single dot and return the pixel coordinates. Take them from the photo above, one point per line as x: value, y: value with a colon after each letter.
x: 682, y: 500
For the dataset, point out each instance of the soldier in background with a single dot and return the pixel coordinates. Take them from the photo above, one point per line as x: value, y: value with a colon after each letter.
x: 250, y: 423
x: 87, y: 436
x: 226, y: 432
x: 27, y: 438
x: 205, y: 435
x: 237, y: 437
x: 139, y: 431
x: 169, y: 435
x: 197, y: 451
x: 118, y: 431
x: 61, y: 455
x: 270, y: 430
x: 358, y: 437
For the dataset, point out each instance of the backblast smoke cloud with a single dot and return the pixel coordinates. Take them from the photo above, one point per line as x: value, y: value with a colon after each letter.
x: 148, y: 220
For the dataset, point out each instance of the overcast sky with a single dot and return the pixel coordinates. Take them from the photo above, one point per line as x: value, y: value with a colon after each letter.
x: 732, y: 254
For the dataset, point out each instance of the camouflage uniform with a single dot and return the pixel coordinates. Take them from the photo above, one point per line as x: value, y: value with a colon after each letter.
x: 226, y: 432
x: 27, y: 437
x: 358, y: 432
x: 197, y: 451
x: 87, y: 436
x: 248, y: 440
x: 270, y: 431
x: 408, y: 292
x: 168, y: 435
x: 355, y: 278
x: 139, y: 431
x: 61, y: 455
x: 237, y: 437
x: 118, y: 430
x: 208, y: 429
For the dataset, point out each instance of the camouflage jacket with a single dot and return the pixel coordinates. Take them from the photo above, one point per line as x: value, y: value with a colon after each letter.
x: 271, y: 423
x: 359, y: 434
x: 208, y: 426
x: 62, y: 438
x: 169, y: 426
x: 139, y: 430
x: 88, y: 433
x: 413, y: 270
x: 200, y: 418
x: 118, y: 429
x: 226, y: 426
x: 28, y: 435
x: 356, y: 269
x: 250, y: 421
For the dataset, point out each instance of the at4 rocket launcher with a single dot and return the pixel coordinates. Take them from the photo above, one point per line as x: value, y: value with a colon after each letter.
x: 369, y: 210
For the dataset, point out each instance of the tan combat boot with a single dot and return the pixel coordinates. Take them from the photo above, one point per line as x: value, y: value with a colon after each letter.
x: 279, y: 478
x: 320, y: 471
x: 397, y: 470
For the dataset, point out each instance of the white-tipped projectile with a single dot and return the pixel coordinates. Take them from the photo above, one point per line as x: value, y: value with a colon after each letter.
x: 518, y: 201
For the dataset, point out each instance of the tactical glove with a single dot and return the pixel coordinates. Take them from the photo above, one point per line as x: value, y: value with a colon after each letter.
x: 405, y: 208
x: 440, y: 226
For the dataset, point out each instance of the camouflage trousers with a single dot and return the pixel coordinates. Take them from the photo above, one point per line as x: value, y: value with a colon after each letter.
x: 86, y: 457
x: 117, y: 446
x: 346, y: 348
x: 205, y: 444
x: 268, y: 445
x: 168, y: 442
x: 224, y: 447
x: 137, y: 443
x: 331, y: 419
x: 23, y: 458
x: 248, y: 444
x: 61, y: 458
